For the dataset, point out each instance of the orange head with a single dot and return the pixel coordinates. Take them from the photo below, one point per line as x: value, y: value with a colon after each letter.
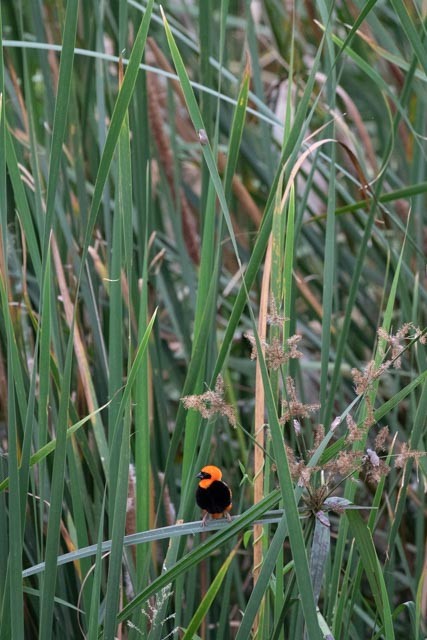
x: 207, y: 475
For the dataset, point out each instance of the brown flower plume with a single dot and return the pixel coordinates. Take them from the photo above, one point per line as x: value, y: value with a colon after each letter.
x: 211, y: 402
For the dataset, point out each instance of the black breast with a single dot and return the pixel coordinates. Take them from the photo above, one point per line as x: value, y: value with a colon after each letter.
x: 215, y: 499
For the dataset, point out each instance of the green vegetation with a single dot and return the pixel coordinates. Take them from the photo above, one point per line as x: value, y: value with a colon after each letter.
x: 212, y: 251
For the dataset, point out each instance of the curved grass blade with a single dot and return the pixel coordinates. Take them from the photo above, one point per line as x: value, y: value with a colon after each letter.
x: 153, y: 535
x: 60, y: 116
x: 23, y: 210
x: 261, y: 586
x: 96, y: 586
x: 209, y: 597
x: 55, y: 511
x: 15, y: 529
x: 373, y: 570
x: 119, y: 518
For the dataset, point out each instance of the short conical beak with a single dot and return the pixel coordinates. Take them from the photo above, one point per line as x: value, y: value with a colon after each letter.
x: 200, y: 475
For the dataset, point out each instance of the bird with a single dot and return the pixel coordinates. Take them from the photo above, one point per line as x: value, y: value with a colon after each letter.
x: 213, y: 495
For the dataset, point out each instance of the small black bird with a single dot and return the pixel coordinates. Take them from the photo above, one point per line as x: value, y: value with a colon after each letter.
x: 213, y: 495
